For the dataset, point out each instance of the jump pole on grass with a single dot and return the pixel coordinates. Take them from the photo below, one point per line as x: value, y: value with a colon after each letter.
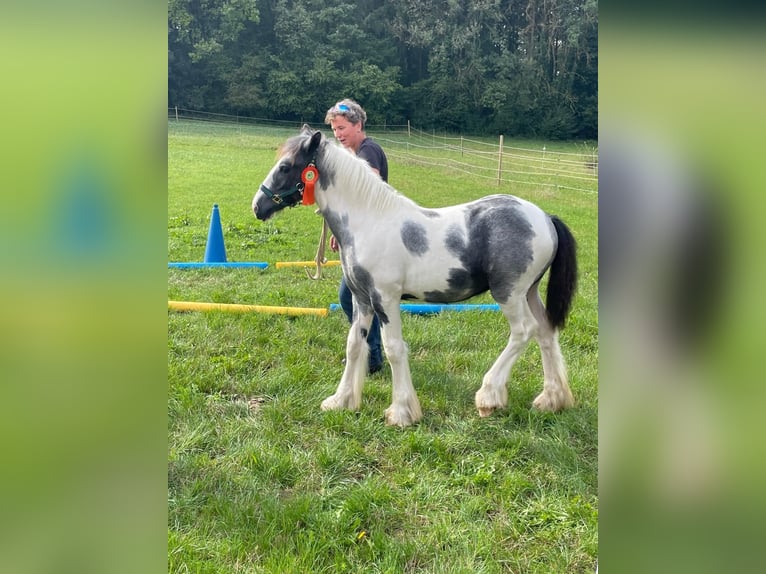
x: 215, y: 250
x: 416, y: 309
x: 282, y: 264
x: 236, y: 308
x: 224, y: 264
x: 431, y: 308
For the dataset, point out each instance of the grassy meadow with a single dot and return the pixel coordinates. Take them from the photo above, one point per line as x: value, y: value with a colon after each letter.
x: 260, y: 480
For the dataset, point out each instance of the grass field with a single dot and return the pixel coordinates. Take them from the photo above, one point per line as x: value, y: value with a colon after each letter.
x: 259, y: 480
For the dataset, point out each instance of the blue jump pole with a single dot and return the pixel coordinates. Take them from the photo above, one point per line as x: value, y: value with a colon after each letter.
x: 201, y: 264
x: 215, y: 250
x: 431, y: 308
x: 427, y: 308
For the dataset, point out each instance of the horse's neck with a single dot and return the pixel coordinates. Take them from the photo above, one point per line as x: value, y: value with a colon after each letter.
x: 357, y: 189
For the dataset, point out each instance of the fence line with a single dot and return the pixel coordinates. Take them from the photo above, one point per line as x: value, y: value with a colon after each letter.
x: 426, y: 135
x: 577, y: 171
x: 563, y: 170
x: 177, y: 114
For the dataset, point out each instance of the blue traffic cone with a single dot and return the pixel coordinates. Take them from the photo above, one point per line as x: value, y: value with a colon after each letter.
x: 215, y: 251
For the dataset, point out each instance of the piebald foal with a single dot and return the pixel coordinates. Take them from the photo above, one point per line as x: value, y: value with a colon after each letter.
x: 392, y: 249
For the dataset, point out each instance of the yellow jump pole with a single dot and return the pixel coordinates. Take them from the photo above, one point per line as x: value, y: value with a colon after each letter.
x: 234, y: 308
x: 281, y: 264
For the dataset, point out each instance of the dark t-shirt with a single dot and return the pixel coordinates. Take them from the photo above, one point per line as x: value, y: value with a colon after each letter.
x: 373, y: 154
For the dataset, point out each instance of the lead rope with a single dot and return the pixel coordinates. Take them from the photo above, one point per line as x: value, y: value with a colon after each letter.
x: 319, y: 258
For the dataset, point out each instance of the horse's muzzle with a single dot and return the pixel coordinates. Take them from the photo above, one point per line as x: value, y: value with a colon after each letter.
x: 260, y: 215
x: 261, y: 212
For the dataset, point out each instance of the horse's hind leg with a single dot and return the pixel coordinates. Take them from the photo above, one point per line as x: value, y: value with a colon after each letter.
x: 556, y: 394
x: 493, y: 393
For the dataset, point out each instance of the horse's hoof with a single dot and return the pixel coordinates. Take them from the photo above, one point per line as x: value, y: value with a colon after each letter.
x: 330, y: 404
x: 543, y: 403
x: 394, y: 419
x: 553, y: 402
x: 489, y: 399
x: 401, y: 417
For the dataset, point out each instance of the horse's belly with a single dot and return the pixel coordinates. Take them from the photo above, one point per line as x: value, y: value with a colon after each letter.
x: 443, y: 284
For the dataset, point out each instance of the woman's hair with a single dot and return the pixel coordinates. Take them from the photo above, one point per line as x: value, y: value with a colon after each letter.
x: 349, y: 109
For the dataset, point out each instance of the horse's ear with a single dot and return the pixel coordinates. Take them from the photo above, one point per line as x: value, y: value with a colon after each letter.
x: 306, y: 129
x: 314, y: 142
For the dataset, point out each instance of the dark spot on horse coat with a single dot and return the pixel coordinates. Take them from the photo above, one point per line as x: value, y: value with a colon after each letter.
x: 359, y: 280
x: 362, y: 286
x: 462, y: 285
x: 455, y: 240
x: 495, y: 254
x: 364, y: 333
x: 414, y: 237
x: 430, y: 213
x: 338, y: 224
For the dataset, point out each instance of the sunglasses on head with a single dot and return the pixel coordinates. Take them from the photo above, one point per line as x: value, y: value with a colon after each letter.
x: 342, y: 108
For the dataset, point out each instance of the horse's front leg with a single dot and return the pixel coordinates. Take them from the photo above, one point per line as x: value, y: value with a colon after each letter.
x: 405, y: 407
x: 349, y: 392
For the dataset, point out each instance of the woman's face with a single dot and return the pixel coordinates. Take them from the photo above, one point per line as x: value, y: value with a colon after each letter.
x: 348, y: 134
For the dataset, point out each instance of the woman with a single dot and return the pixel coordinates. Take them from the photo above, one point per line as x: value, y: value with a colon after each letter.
x: 347, y: 119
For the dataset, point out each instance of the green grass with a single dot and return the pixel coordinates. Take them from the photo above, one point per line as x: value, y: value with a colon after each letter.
x: 260, y: 480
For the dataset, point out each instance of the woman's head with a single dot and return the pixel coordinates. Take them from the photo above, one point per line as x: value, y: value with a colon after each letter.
x: 347, y: 119
x: 348, y: 109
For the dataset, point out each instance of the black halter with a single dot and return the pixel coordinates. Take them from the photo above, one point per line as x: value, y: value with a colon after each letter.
x: 298, y: 188
x: 279, y: 198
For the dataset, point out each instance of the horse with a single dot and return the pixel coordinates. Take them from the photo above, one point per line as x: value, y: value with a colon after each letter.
x: 392, y: 249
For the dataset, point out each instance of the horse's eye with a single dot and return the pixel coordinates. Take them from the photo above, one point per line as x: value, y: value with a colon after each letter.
x: 284, y: 168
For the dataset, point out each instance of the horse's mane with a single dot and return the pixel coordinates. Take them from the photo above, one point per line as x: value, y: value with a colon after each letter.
x: 368, y: 187
x: 291, y: 146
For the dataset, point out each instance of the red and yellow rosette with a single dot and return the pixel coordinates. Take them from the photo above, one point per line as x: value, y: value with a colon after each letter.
x: 309, y: 177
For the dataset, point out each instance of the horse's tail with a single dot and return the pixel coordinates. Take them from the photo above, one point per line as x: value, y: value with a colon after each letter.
x: 563, y: 277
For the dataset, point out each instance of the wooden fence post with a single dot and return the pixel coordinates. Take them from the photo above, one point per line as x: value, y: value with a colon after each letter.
x: 176, y: 113
x: 500, y: 161
x: 595, y: 161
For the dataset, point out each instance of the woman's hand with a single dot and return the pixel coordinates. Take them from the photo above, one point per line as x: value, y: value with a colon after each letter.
x: 333, y: 243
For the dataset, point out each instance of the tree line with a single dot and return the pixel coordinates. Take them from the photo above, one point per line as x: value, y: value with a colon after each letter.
x: 516, y: 67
